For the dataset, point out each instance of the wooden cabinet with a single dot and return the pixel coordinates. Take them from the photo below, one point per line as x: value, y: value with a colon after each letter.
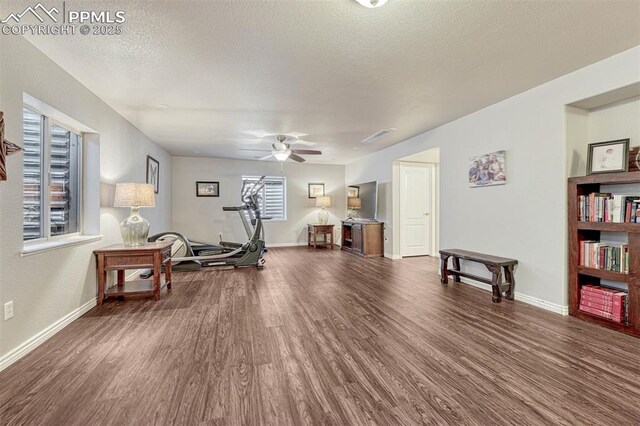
x: 363, y: 237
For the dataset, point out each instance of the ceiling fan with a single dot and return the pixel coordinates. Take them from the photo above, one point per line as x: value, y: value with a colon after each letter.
x: 281, y: 150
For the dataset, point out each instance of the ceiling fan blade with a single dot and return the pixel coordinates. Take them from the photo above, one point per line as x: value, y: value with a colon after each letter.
x: 250, y: 149
x: 306, y: 151
x: 301, y: 142
x: 297, y: 158
x: 266, y: 157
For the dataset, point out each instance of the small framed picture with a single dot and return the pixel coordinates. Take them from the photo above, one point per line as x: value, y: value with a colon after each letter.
x: 353, y: 192
x: 316, y: 190
x: 608, y: 157
x: 207, y: 189
x: 153, y: 173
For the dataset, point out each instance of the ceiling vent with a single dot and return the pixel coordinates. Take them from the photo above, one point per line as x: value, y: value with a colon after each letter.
x: 378, y: 134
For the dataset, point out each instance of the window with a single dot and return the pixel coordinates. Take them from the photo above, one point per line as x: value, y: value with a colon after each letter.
x: 273, y: 197
x: 51, y: 178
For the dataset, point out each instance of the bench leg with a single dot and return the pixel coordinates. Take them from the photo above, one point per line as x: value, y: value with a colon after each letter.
x: 508, y: 276
x: 496, y: 282
x: 444, y: 269
x: 456, y: 266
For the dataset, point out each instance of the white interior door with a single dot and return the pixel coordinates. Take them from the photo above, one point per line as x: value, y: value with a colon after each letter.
x: 415, y: 209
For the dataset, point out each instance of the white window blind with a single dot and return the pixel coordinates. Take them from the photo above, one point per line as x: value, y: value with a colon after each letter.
x: 51, y: 178
x: 273, y: 198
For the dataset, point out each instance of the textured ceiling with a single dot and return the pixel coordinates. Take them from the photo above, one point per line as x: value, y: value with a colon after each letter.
x: 332, y: 70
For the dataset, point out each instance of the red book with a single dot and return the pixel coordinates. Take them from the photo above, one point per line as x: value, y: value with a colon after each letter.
x: 596, y: 298
x: 601, y: 314
x: 603, y: 290
x: 610, y: 309
x: 603, y: 295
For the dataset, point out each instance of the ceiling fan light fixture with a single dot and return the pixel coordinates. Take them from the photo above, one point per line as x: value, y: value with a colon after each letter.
x: 282, y: 155
x: 372, y: 3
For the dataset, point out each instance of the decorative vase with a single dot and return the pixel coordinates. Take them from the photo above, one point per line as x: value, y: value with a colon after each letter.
x: 134, y: 229
x: 323, y: 217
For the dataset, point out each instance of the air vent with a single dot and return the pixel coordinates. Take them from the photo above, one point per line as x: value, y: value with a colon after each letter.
x: 378, y: 134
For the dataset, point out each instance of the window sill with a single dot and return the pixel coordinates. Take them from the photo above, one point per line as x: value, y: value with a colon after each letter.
x: 56, y: 244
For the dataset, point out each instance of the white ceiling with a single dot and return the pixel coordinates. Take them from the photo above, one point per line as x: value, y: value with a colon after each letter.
x: 332, y: 69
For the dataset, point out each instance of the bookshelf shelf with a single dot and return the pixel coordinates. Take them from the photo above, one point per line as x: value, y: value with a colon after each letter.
x: 607, y: 323
x: 609, y: 226
x: 602, y: 273
x: 578, y: 231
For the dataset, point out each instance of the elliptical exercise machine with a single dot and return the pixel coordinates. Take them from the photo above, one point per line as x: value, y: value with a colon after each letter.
x: 189, y: 255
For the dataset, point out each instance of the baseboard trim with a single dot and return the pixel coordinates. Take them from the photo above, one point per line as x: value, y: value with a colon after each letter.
x: 392, y: 256
x: 553, y: 307
x: 44, y: 335
x: 296, y: 244
x: 529, y: 300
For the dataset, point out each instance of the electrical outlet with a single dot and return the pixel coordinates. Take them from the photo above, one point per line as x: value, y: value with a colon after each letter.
x: 8, y: 310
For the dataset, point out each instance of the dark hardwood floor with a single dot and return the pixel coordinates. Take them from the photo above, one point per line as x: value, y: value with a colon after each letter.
x: 322, y: 337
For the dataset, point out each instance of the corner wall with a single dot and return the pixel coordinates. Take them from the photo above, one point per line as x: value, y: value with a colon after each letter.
x: 48, y: 286
x: 526, y: 218
x: 202, y: 218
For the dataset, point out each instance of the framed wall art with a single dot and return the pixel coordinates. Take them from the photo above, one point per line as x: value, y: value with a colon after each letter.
x: 608, y: 157
x: 207, y: 189
x: 153, y: 173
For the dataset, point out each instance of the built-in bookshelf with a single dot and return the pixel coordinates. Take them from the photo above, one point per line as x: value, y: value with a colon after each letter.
x: 615, y: 272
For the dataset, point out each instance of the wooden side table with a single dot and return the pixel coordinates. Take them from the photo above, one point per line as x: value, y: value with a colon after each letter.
x: 119, y: 257
x: 312, y: 235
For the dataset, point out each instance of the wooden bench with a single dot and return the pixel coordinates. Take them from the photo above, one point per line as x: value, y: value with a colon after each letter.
x: 494, y: 264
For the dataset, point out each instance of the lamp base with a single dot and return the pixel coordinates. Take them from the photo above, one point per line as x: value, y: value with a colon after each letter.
x: 134, y: 229
x: 323, y: 217
x: 352, y: 214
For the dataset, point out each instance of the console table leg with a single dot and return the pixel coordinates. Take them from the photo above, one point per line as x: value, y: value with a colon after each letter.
x: 508, y: 276
x: 167, y: 273
x: 157, y: 269
x: 102, y: 279
x: 456, y: 265
x: 444, y: 269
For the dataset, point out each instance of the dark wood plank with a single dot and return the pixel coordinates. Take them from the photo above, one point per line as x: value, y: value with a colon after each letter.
x: 479, y: 257
x: 322, y: 337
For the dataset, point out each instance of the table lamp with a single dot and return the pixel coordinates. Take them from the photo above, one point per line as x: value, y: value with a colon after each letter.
x: 354, y: 203
x: 135, y: 228
x: 323, y: 215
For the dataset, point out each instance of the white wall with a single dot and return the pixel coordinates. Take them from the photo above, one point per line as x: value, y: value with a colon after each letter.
x: 526, y: 218
x: 47, y: 286
x: 202, y: 218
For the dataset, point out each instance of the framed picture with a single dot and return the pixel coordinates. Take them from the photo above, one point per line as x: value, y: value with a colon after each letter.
x: 316, y: 190
x: 634, y: 159
x: 153, y: 173
x: 353, y: 192
x: 608, y: 157
x: 207, y: 189
x: 487, y: 170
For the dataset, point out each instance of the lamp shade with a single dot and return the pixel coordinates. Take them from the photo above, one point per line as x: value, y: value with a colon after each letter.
x: 134, y: 195
x: 354, y: 202
x: 323, y: 201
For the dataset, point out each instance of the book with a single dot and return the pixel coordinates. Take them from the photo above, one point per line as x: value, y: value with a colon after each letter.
x: 602, y: 298
x: 601, y: 314
x: 610, y: 256
x: 616, y: 310
x: 617, y: 207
